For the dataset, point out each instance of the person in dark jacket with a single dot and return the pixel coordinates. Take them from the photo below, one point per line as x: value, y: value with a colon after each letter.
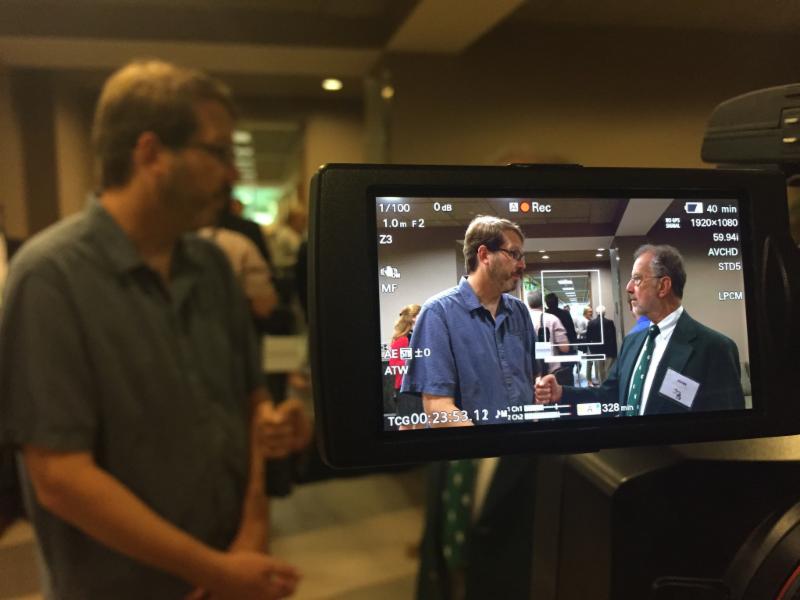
x: 603, y: 333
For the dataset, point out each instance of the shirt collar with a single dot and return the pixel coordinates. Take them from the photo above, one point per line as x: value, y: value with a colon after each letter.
x: 112, y: 240
x: 471, y: 300
x: 667, y: 325
x: 468, y: 295
x: 117, y: 246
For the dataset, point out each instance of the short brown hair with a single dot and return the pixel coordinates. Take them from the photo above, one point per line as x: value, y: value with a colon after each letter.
x: 486, y: 231
x: 145, y: 96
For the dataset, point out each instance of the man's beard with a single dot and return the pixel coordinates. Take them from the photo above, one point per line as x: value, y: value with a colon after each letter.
x: 506, y: 282
x: 195, y: 209
x: 511, y: 285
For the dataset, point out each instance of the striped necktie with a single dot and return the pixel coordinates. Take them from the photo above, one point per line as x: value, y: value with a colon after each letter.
x: 637, y: 385
x: 457, y: 508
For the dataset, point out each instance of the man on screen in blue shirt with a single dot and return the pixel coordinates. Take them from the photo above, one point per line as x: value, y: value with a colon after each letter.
x: 476, y: 340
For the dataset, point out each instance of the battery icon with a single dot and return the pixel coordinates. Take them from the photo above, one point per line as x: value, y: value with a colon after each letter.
x: 693, y: 208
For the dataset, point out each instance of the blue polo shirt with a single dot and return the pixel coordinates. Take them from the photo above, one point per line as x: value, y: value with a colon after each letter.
x: 459, y: 350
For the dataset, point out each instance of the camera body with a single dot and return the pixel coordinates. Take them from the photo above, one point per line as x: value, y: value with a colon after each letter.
x: 392, y: 235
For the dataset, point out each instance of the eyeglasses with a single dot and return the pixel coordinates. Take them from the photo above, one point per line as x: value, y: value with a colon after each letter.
x: 223, y: 154
x: 516, y: 255
x: 638, y: 279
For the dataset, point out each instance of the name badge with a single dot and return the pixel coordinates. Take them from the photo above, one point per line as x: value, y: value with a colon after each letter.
x: 679, y: 387
x: 544, y: 350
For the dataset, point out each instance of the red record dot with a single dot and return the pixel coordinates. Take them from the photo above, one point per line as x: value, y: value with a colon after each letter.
x: 524, y: 207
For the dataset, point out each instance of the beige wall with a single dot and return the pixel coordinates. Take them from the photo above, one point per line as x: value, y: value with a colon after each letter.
x: 333, y: 136
x: 597, y: 98
x: 12, y: 181
x: 45, y: 154
x: 428, y: 262
x: 46, y: 168
x: 73, y: 122
x: 33, y: 100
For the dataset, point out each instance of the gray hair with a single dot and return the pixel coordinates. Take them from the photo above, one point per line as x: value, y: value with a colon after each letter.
x: 666, y: 262
x: 535, y: 299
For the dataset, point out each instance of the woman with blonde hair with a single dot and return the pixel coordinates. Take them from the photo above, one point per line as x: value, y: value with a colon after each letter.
x: 400, y: 339
x: 405, y: 323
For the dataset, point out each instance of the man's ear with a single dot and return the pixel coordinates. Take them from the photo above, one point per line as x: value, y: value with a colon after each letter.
x: 147, y: 150
x: 483, y: 253
x: 664, y: 286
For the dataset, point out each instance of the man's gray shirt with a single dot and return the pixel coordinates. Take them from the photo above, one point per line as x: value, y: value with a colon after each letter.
x: 97, y: 355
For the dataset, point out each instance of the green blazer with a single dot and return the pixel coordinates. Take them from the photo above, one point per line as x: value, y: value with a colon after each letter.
x: 695, y: 351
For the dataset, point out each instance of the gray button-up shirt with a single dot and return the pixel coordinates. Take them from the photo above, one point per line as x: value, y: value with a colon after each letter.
x: 97, y: 355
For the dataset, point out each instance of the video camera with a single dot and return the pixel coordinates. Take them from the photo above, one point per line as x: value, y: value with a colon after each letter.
x: 712, y: 521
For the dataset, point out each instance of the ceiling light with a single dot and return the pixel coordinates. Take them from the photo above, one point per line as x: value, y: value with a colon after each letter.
x: 600, y: 249
x: 542, y: 251
x: 387, y: 92
x: 599, y: 254
x: 545, y: 257
x: 242, y: 137
x: 565, y: 282
x: 332, y: 85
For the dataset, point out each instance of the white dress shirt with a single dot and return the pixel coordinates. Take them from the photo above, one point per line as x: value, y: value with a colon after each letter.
x: 665, y: 329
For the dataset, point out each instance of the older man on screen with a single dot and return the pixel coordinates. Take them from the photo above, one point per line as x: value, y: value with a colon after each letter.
x: 476, y: 339
x: 677, y: 365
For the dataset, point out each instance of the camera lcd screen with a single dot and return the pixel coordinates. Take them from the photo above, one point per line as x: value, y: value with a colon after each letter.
x: 425, y: 285
x: 452, y: 354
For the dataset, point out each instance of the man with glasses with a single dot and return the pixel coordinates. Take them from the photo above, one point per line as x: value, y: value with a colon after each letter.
x: 130, y: 379
x: 476, y: 339
x: 677, y: 365
x: 480, y: 362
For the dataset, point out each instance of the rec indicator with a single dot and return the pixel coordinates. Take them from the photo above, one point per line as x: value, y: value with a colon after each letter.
x: 529, y: 206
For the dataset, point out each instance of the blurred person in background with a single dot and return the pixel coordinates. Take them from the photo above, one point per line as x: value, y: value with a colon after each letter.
x: 287, y: 237
x: 231, y: 218
x: 551, y: 300
x: 404, y: 404
x: 249, y: 267
x: 581, y: 322
x: 603, y: 332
